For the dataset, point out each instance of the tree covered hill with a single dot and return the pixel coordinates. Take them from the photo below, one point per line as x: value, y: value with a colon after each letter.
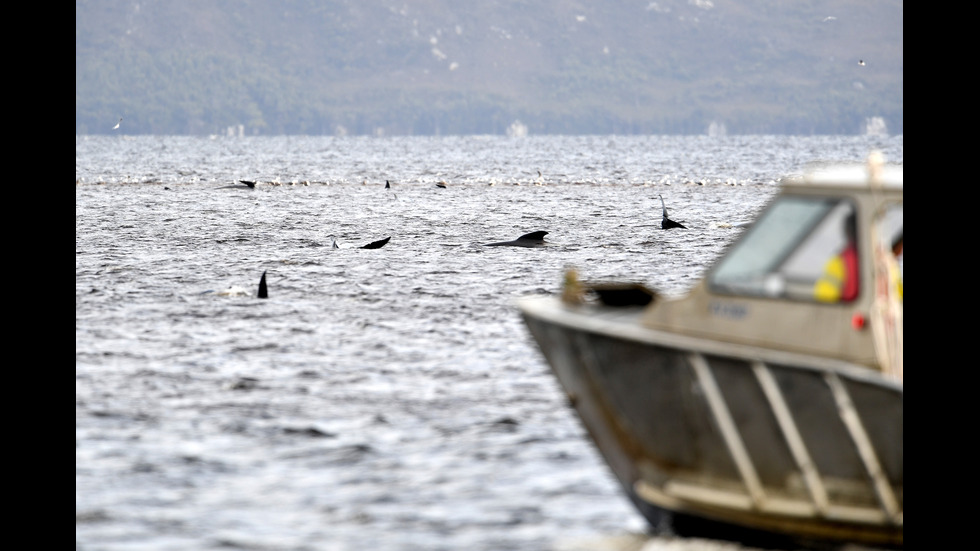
x: 403, y: 67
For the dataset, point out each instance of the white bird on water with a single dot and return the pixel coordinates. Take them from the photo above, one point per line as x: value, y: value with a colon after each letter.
x: 117, y: 124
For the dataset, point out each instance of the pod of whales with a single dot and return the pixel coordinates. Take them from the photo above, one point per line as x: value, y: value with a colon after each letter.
x: 533, y: 239
x: 250, y: 184
x: 667, y: 223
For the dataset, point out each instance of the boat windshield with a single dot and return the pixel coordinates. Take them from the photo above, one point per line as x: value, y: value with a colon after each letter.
x: 787, y: 251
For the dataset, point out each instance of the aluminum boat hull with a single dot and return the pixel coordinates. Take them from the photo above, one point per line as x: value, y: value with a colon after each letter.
x: 746, y: 437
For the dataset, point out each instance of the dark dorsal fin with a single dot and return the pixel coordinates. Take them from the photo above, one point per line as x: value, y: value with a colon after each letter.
x: 387, y: 185
x: 533, y: 236
x: 667, y: 223
x: 533, y: 239
x: 263, y: 290
x: 377, y: 244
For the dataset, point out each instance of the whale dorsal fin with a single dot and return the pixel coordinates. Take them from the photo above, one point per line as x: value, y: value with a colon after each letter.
x: 263, y: 289
x: 533, y: 236
x: 377, y: 244
x: 533, y: 239
x: 667, y: 223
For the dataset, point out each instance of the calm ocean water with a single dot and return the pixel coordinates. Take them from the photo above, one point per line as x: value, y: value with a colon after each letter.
x: 378, y: 399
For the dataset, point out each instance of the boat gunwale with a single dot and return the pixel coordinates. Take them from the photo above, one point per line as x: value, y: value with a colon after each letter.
x: 612, y: 322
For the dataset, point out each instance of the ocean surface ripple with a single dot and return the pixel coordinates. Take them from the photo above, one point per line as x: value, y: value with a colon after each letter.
x: 379, y: 398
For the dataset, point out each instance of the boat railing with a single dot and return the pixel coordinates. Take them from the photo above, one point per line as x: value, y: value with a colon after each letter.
x: 753, y: 496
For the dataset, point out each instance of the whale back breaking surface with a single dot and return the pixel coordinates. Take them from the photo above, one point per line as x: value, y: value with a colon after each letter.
x: 533, y: 239
x: 377, y: 244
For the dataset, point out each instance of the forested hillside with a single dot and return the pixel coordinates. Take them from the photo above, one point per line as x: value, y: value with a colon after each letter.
x: 401, y: 67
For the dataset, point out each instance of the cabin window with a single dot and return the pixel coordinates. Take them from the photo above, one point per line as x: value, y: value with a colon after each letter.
x: 798, y: 249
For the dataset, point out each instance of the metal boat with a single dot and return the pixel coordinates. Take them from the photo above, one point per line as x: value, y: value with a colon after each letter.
x: 757, y: 402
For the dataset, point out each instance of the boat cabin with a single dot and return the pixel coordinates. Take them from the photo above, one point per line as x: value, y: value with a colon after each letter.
x: 819, y: 272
